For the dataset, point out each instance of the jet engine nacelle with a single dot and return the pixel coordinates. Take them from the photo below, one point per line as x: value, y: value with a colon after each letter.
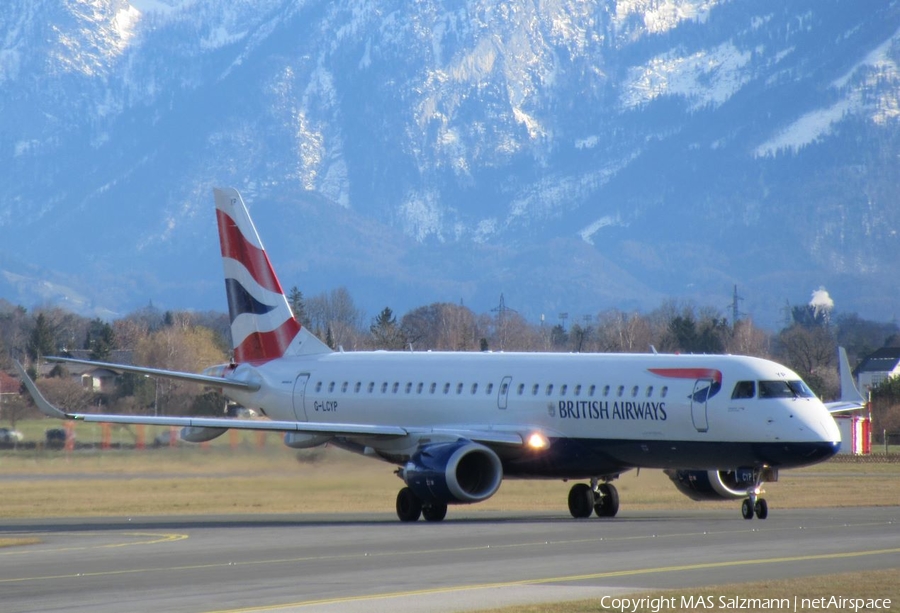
x: 200, y: 434
x: 713, y: 484
x: 302, y: 440
x: 459, y: 472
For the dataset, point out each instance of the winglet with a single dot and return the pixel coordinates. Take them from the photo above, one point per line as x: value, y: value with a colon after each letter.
x: 42, y: 403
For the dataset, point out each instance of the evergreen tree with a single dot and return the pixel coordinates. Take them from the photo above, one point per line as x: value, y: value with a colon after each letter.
x: 295, y: 300
x: 558, y: 336
x: 100, y: 340
x: 386, y: 334
x: 41, y: 342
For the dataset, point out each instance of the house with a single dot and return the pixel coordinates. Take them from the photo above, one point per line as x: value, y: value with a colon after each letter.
x: 877, y: 367
x: 91, y: 378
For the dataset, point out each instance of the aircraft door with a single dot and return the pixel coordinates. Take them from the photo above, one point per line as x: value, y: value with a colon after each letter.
x: 503, y: 393
x: 699, y: 398
x: 300, y: 397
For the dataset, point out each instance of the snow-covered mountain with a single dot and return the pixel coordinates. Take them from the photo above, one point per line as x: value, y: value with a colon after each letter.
x: 574, y: 156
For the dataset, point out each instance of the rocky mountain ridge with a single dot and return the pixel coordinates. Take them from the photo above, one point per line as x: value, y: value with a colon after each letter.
x: 572, y: 156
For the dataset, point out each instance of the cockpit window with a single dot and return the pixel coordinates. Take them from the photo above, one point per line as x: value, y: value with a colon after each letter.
x: 784, y: 389
x: 744, y: 389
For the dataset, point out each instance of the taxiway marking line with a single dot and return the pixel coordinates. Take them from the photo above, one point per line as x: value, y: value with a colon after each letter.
x: 154, y: 539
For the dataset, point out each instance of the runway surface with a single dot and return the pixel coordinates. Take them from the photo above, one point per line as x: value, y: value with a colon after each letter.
x: 471, y: 561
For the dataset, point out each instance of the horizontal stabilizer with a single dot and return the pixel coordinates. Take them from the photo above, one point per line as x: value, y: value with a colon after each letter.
x: 48, y: 409
x: 167, y: 374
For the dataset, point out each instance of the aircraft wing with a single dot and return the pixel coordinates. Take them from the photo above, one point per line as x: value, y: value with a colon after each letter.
x: 169, y: 374
x: 850, y: 399
x: 477, y: 434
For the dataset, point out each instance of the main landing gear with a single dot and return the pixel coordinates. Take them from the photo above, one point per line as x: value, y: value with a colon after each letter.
x: 599, y: 498
x: 410, y: 508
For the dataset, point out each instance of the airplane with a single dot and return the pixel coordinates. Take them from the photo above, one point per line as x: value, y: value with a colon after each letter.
x: 455, y: 424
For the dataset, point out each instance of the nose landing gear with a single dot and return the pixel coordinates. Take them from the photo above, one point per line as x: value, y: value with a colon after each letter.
x: 754, y: 505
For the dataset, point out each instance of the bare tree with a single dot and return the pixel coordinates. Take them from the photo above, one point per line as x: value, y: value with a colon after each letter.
x: 335, y: 311
x: 189, y: 349
x: 442, y: 326
x: 619, y: 332
x: 812, y: 353
x: 747, y: 339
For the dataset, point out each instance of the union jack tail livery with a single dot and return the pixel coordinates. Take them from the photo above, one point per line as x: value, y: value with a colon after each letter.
x: 262, y: 324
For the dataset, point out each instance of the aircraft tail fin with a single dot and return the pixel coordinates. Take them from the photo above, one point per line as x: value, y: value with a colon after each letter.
x: 850, y: 399
x: 262, y: 324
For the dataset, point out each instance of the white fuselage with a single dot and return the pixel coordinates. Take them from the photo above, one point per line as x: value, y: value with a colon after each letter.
x: 621, y: 410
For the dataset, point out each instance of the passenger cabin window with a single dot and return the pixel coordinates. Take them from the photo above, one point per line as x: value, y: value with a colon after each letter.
x: 664, y: 391
x: 459, y: 387
x: 591, y: 390
x: 606, y: 390
x: 650, y: 391
x: 520, y: 390
x: 396, y: 387
x: 490, y: 388
x: 474, y: 388
x: 331, y: 387
x: 419, y: 388
x: 577, y: 390
x: 562, y: 389
x: 384, y: 387
x: 432, y: 388
x: 534, y: 389
x: 318, y: 386
x: 409, y: 387
x: 357, y: 387
x: 344, y: 386
x: 620, y: 391
x: 549, y: 389
x: 446, y: 388
x: 744, y: 389
x: 634, y: 391
x: 371, y: 387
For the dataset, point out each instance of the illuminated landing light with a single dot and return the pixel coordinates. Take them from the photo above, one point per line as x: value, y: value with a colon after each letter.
x: 537, y: 441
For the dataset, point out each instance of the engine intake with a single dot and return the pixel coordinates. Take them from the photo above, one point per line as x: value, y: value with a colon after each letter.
x: 460, y: 472
x: 713, y: 484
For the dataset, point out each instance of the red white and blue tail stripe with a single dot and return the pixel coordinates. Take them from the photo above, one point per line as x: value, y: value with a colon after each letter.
x: 262, y: 324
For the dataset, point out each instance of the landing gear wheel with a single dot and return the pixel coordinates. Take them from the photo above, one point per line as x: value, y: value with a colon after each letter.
x: 747, y: 509
x: 606, y: 500
x: 434, y: 512
x: 581, y: 500
x: 409, y: 507
x: 761, y: 508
